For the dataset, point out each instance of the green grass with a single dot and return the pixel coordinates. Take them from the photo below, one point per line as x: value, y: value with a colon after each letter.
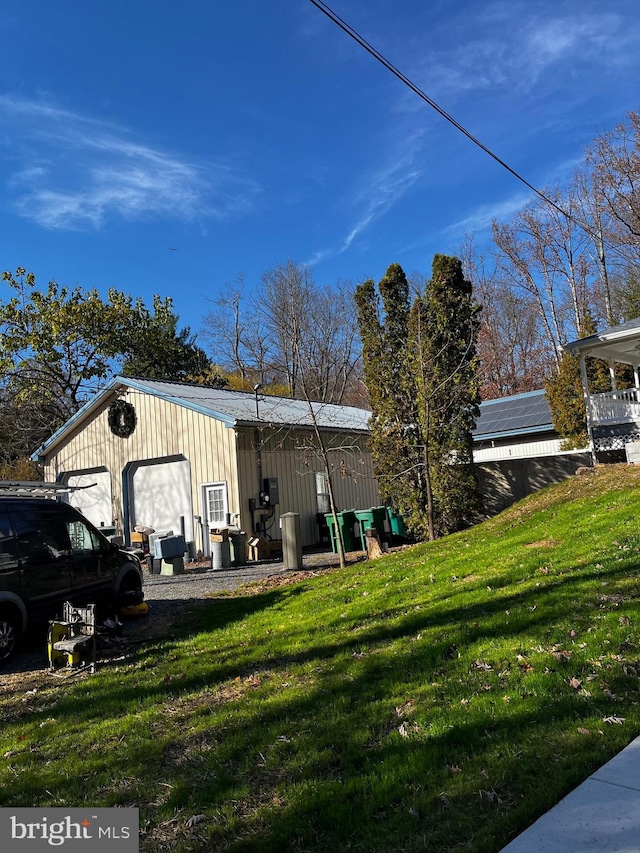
x: 438, y: 699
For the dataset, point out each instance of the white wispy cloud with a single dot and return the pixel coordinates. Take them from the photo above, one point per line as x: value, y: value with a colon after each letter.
x: 511, y: 46
x: 77, y: 172
x: 379, y: 189
x: 319, y: 256
x: 480, y: 218
x: 383, y: 190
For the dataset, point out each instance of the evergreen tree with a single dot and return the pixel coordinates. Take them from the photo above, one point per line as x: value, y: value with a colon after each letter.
x: 420, y: 371
x: 384, y: 334
x: 159, y: 350
x: 448, y: 391
x: 566, y: 396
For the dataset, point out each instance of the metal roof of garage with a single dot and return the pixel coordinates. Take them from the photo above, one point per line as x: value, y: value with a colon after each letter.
x: 239, y: 408
x: 502, y: 418
x: 233, y: 408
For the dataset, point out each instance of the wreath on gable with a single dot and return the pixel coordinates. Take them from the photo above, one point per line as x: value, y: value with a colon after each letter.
x: 122, y: 418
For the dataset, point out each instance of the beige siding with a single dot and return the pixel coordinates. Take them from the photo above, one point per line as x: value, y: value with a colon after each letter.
x: 216, y: 453
x: 163, y: 430
x: 289, y: 457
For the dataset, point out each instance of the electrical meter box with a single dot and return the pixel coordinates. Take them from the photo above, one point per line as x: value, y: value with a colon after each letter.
x: 269, y: 494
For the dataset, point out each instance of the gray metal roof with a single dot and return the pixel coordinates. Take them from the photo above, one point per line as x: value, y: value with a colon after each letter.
x: 617, y: 343
x: 502, y: 418
x: 239, y: 408
x: 233, y: 408
x: 511, y: 416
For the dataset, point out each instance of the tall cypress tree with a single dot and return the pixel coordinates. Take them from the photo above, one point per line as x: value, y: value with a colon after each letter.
x: 420, y: 363
x: 383, y: 323
x: 453, y: 389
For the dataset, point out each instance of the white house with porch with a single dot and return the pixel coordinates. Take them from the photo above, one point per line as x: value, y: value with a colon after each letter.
x: 613, y: 418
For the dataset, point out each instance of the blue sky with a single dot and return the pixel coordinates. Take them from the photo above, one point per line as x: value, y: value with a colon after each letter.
x: 243, y: 134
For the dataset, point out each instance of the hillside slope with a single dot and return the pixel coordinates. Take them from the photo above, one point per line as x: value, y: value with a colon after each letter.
x: 440, y: 698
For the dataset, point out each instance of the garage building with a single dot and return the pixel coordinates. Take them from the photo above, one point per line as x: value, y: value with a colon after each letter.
x: 188, y: 458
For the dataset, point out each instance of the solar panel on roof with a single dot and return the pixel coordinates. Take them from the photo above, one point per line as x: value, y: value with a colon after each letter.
x: 511, y: 414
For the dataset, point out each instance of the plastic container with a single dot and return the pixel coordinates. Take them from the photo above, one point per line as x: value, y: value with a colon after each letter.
x: 238, y: 542
x: 349, y: 528
x: 169, y: 546
x: 396, y: 523
x: 374, y: 518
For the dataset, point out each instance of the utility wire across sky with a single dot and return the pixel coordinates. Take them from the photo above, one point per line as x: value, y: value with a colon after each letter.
x: 349, y: 30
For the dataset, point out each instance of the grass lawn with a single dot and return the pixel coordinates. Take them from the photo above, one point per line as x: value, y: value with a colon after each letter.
x: 439, y: 699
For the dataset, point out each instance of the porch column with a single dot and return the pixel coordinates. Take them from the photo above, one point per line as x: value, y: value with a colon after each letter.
x: 587, y: 403
x: 612, y: 374
x: 636, y: 380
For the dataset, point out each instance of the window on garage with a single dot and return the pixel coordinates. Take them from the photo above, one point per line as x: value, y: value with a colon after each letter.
x: 216, y: 504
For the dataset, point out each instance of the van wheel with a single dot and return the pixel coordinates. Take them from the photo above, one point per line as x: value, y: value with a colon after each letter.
x: 130, y: 592
x: 9, y: 633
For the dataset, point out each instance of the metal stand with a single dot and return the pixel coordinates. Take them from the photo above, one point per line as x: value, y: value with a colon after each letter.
x: 72, y: 641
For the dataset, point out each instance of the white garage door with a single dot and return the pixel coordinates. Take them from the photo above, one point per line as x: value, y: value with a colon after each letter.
x: 93, y: 502
x: 160, y: 493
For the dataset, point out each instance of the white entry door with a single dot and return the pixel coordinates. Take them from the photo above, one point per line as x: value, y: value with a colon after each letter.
x: 215, y: 505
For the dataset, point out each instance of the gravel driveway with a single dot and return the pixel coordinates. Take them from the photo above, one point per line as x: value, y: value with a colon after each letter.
x: 168, y: 596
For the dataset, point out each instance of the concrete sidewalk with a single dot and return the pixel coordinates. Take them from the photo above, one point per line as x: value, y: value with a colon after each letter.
x: 600, y: 816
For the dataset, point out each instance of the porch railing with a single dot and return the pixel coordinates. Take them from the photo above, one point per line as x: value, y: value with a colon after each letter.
x: 616, y: 407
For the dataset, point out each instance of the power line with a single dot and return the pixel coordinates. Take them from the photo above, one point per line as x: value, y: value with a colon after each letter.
x: 349, y: 30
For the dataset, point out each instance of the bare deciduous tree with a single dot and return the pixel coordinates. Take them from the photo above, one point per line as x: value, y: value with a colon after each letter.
x: 289, y: 326
x: 512, y: 349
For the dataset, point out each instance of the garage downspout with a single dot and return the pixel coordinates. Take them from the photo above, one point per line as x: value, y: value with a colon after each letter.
x: 126, y: 514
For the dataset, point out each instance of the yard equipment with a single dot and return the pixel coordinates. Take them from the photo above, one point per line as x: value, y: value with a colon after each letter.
x: 72, y: 639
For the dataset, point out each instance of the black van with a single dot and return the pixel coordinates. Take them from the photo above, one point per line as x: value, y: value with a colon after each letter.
x: 49, y: 554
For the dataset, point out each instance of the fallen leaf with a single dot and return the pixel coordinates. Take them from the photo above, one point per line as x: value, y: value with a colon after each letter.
x: 483, y: 665
x: 618, y: 721
x: 196, y: 818
x: 561, y: 654
x: 583, y: 731
x: 405, y: 708
x: 575, y: 683
x: 491, y: 795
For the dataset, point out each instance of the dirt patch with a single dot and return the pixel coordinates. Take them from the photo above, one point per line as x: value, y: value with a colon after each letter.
x: 275, y: 581
x: 543, y: 543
